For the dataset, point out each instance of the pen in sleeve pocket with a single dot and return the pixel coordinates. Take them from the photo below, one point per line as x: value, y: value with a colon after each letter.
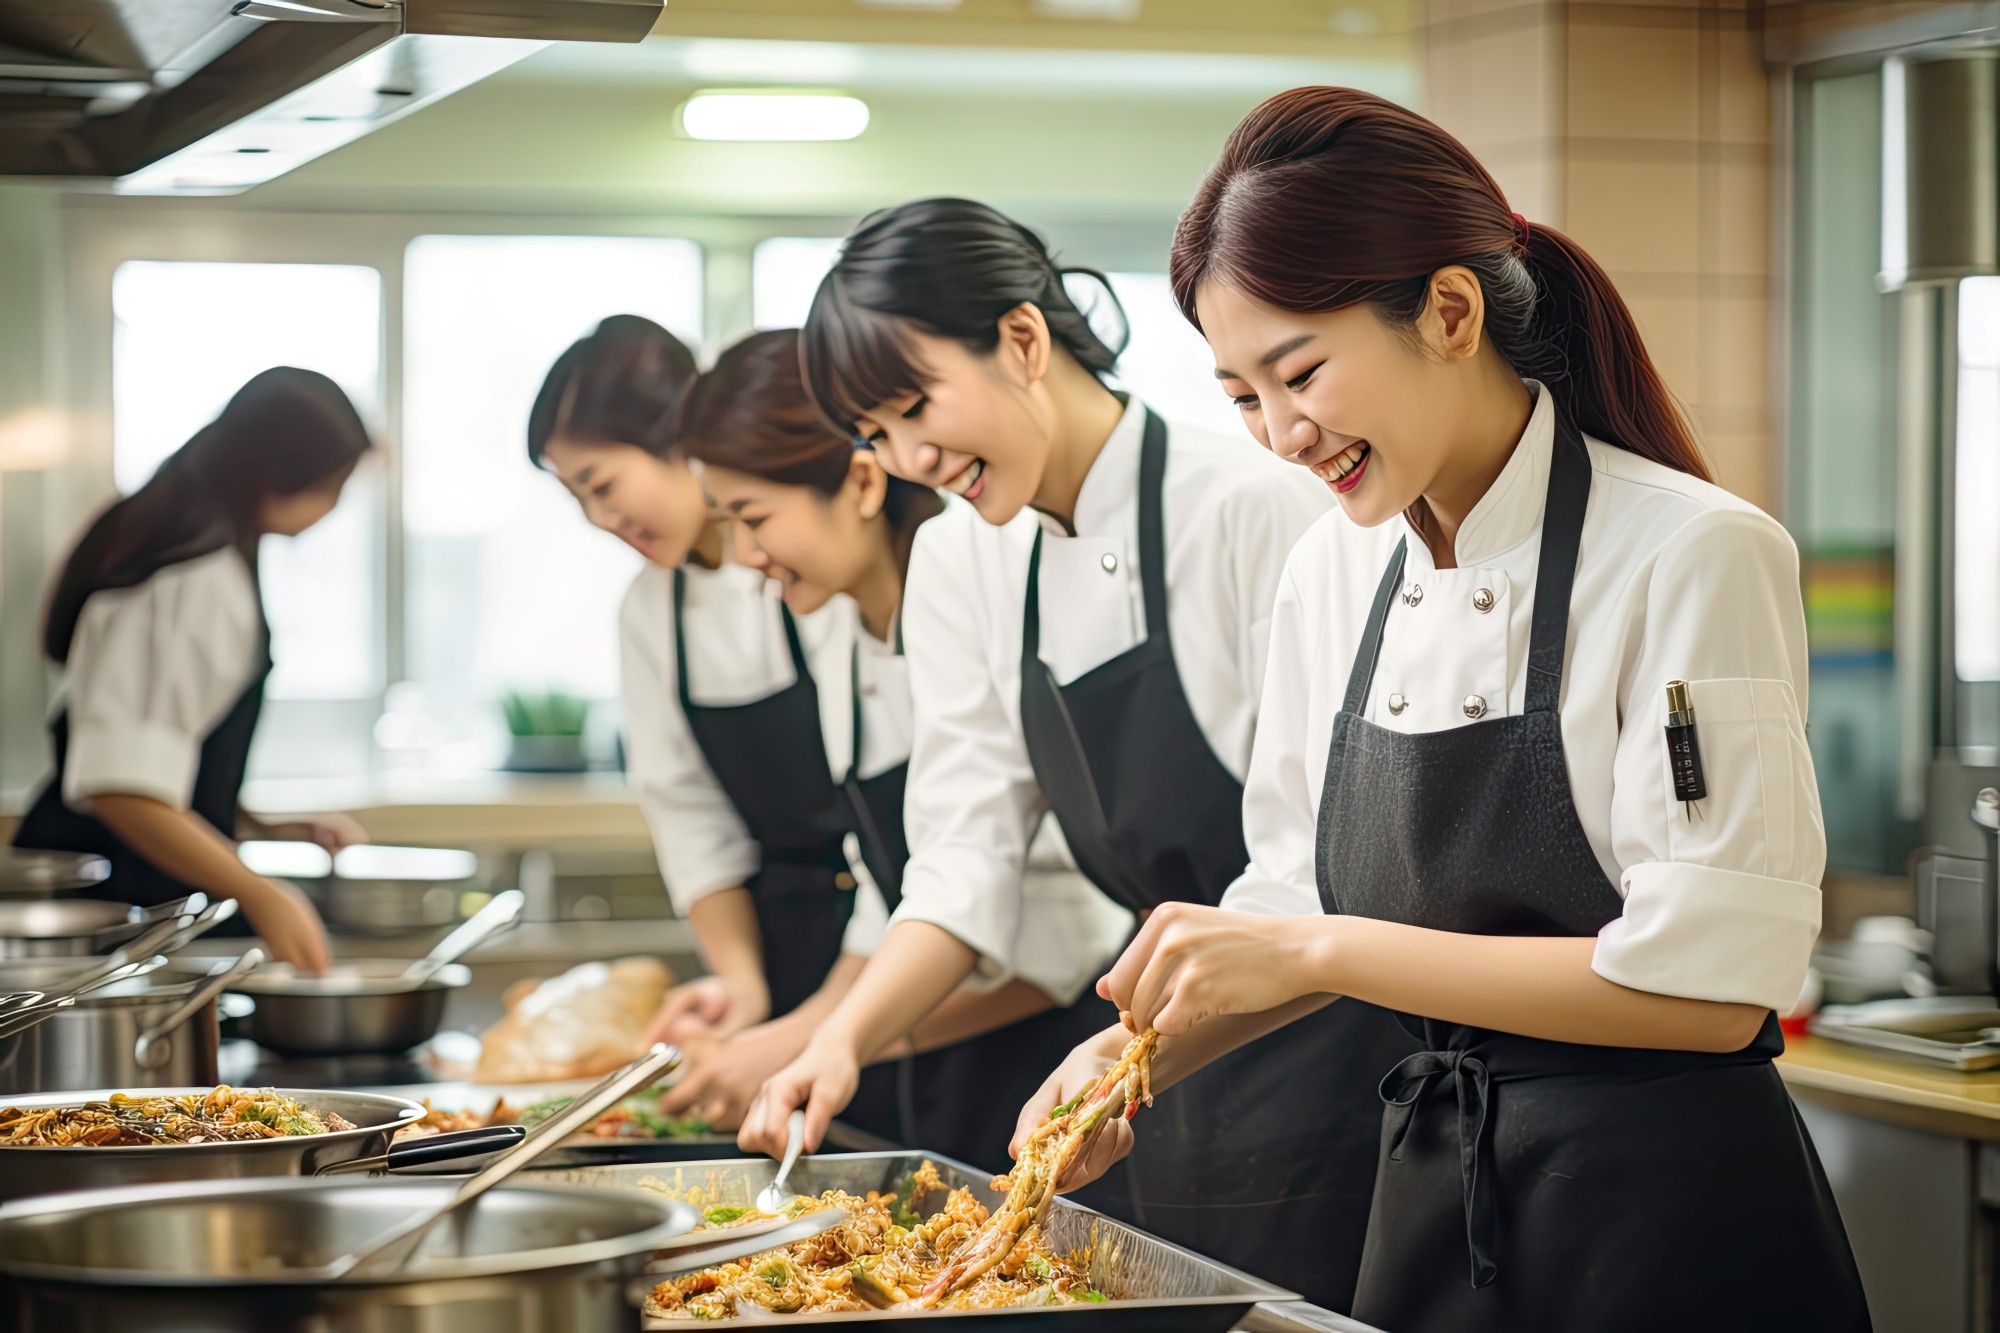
x: 1683, y: 746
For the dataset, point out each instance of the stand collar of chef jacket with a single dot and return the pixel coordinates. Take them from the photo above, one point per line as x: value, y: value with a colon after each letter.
x: 1111, y: 488
x: 1511, y: 510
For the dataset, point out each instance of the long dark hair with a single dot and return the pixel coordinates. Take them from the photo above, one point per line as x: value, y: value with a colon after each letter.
x: 751, y: 412
x: 945, y: 267
x: 285, y: 431
x: 618, y: 384
x: 1327, y: 197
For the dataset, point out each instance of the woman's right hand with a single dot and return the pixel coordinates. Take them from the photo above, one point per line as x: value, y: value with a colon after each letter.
x: 708, y: 1007
x: 1079, y: 1072
x: 821, y: 1082
x: 720, y: 1083
x: 291, y: 930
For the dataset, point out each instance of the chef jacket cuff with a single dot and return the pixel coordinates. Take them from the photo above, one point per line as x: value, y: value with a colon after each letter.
x: 1705, y: 933
x: 131, y: 759
x: 688, y: 885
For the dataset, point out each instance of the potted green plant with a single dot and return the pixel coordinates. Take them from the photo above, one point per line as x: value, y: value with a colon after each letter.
x: 547, y: 731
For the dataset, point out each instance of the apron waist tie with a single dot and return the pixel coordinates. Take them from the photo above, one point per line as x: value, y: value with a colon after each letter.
x: 1406, y: 1085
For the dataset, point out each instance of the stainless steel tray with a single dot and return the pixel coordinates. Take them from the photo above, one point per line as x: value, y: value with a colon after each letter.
x: 1155, y: 1287
x: 1960, y: 1032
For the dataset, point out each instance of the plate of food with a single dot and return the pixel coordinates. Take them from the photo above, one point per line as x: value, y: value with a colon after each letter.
x: 635, y: 1130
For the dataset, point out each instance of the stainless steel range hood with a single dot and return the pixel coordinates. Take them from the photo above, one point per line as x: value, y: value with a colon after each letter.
x: 214, y: 96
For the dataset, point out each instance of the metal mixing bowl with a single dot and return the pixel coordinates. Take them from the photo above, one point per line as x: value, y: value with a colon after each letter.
x: 357, y: 1008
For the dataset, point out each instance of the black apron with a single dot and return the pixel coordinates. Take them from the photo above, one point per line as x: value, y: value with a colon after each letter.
x: 961, y: 1100
x: 770, y: 760
x: 1265, y: 1159
x: 1538, y: 1185
x: 52, y: 825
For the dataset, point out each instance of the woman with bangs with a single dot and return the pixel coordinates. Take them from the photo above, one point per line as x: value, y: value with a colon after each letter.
x: 833, y: 532
x: 1476, y: 789
x: 1088, y: 635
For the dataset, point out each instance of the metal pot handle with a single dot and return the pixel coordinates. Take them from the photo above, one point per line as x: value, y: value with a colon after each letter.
x: 155, y: 1044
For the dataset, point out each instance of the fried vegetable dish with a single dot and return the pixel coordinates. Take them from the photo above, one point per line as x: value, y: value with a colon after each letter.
x: 226, y: 1115
x: 634, y: 1118
x: 889, y: 1253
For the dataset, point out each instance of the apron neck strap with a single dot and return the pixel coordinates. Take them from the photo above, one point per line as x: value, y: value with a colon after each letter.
x: 1555, y: 576
x: 801, y: 672
x: 1555, y: 572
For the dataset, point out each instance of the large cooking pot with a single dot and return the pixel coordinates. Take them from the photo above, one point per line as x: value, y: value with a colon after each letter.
x: 358, y: 1007
x: 36, y: 874
x: 160, y: 1028
x: 229, y: 1255
x: 28, y: 1171
x: 77, y: 927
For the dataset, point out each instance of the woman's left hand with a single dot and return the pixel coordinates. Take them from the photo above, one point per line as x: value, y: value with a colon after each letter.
x: 1191, y: 963
x: 333, y: 832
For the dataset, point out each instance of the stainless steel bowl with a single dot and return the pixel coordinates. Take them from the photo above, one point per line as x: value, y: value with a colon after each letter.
x: 153, y: 1029
x: 33, y: 874
x: 358, y: 1008
x: 34, y: 1171
x: 242, y: 1255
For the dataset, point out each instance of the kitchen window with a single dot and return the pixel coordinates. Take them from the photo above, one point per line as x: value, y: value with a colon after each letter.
x: 505, y: 585
x: 186, y: 337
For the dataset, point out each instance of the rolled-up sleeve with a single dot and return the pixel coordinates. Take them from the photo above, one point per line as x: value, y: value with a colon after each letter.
x: 152, y: 670
x: 1722, y: 898
x: 700, y: 841
x: 972, y: 800
x: 1279, y: 809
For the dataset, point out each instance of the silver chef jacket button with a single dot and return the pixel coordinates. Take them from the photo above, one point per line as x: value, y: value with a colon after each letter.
x: 1482, y: 600
x: 1475, y: 706
x: 1415, y: 596
x: 1397, y: 703
x: 1110, y: 563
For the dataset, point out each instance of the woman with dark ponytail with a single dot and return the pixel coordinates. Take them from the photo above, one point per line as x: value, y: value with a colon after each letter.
x: 1087, y: 635
x: 1474, y: 787
x: 833, y: 532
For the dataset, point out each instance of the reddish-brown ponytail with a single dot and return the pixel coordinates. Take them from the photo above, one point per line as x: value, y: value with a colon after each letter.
x: 1327, y: 197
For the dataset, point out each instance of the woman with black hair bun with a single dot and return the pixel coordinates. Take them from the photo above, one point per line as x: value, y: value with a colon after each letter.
x: 833, y: 531
x: 1097, y: 658
x: 158, y: 622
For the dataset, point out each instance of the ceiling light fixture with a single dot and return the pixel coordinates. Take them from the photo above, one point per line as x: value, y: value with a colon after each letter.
x: 773, y: 116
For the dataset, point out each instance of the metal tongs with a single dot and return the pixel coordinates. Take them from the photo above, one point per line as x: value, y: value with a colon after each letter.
x: 392, y: 1251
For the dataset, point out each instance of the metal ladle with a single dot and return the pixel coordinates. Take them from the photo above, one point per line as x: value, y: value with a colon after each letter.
x: 498, y: 915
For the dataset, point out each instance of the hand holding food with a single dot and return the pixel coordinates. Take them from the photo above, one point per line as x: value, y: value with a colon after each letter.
x: 821, y: 1081
x: 583, y: 1024
x: 720, y: 1083
x: 1190, y: 963
x: 708, y: 1007
x: 1079, y: 1072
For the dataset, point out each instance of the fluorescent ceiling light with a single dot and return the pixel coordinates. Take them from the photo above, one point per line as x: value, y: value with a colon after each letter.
x: 1116, y: 11
x: 773, y: 116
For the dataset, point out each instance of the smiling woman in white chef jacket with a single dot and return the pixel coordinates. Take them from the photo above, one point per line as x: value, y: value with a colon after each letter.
x: 1099, y: 658
x: 159, y: 625
x: 1463, y: 781
x: 833, y: 532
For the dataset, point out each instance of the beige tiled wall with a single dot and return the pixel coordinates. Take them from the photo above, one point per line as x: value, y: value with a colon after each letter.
x: 1643, y: 130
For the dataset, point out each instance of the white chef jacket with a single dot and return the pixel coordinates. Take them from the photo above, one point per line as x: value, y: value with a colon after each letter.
x: 737, y: 654
x: 152, y: 670
x: 1232, y: 512
x: 1676, y: 580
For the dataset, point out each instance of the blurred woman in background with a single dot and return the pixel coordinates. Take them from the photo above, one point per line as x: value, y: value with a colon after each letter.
x: 834, y: 532
x: 158, y: 623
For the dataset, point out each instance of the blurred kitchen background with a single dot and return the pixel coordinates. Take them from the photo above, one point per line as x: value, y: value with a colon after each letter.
x: 428, y: 200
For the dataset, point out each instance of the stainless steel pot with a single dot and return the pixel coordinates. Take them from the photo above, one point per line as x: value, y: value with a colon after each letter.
x: 155, y: 1029
x: 231, y: 1255
x: 33, y: 1171
x: 359, y: 1007
x: 76, y: 927
x: 33, y: 874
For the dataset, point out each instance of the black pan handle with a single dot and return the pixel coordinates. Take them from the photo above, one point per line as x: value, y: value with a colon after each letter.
x: 434, y: 1148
